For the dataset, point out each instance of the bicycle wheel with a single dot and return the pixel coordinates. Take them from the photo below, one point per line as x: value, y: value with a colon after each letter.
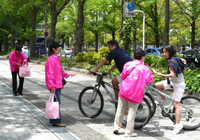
x: 90, y: 102
x: 151, y: 100
x: 190, y: 112
x: 143, y: 114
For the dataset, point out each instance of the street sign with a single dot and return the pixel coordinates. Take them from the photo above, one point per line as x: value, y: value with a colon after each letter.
x: 46, y: 34
x: 129, y: 9
x: 131, y: 6
x: 46, y: 26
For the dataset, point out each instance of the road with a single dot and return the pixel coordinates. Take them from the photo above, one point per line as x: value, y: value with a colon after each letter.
x: 100, y: 128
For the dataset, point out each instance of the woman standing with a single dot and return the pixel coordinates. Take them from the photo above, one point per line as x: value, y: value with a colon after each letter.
x: 53, y: 77
x: 175, y: 78
x: 16, y: 59
x: 135, y: 76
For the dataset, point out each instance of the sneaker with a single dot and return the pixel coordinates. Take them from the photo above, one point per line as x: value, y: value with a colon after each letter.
x: 131, y: 135
x: 177, y: 128
x: 59, y: 124
x: 116, y: 131
x: 124, y: 123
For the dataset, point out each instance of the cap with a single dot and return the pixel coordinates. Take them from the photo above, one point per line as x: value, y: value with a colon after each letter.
x: 18, y: 48
x: 139, y: 53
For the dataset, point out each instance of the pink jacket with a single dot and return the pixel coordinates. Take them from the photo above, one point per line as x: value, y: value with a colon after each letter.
x: 54, y: 73
x: 134, y: 75
x: 14, y: 59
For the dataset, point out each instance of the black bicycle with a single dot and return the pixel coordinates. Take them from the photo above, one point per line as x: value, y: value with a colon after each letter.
x: 91, y: 102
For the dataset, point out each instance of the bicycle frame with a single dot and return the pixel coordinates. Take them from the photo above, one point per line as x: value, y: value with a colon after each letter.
x: 155, y: 92
x: 101, y: 82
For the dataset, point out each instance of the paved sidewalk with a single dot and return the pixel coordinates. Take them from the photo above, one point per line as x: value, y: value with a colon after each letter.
x: 21, y: 120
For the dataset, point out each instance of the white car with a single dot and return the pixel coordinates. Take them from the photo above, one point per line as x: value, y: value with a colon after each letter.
x: 66, y: 52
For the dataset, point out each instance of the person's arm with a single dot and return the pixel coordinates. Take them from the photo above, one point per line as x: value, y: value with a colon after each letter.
x: 171, y: 75
x: 112, y: 68
x: 99, y: 65
x: 183, y: 60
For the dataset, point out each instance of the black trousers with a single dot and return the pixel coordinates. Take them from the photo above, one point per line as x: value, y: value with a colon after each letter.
x: 14, y: 83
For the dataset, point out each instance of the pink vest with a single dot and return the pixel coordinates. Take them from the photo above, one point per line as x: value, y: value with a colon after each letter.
x: 134, y: 75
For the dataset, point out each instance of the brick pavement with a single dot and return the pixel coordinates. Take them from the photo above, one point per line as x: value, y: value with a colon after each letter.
x: 21, y: 120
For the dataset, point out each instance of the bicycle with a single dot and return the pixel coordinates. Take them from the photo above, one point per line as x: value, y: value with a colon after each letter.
x: 91, y: 101
x: 190, y: 108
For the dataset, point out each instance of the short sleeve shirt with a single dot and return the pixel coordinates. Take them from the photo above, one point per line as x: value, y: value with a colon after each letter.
x: 120, y: 57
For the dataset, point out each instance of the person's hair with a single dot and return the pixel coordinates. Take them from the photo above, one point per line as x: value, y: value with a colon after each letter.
x: 170, y: 49
x: 139, y: 53
x: 113, y: 42
x: 52, y: 45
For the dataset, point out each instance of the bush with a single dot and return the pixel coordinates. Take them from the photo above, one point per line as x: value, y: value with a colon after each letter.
x: 92, y: 57
x: 192, y: 80
x: 151, y: 60
x: 103, y: 52
x: 79, y: 57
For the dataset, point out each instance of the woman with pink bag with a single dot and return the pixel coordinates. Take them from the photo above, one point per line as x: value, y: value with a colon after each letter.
x: 54, y: 76
x: 16, y: 59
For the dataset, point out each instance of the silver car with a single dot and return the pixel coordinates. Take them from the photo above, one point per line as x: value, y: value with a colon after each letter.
x: 66, y: 52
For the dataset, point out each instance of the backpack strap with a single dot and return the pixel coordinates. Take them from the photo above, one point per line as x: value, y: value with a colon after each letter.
x: 172, y: 60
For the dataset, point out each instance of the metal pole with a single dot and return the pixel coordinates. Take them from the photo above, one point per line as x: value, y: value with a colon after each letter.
x: 143, y: 26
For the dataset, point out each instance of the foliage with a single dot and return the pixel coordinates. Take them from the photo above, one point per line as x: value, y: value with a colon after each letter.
x: 192, y: 80
x: 103, y: 52
x: 92, y: 57
x: 79, y: 57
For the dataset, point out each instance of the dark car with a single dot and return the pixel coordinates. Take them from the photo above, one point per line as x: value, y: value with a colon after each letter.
x: 192, y: 57
x: 153, y: 51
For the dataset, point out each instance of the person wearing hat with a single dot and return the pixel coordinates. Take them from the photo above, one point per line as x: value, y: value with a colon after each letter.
x: 16, y: 58
x: 134, y: 77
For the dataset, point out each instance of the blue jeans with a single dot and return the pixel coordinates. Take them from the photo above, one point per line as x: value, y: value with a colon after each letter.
x: 58, y: 91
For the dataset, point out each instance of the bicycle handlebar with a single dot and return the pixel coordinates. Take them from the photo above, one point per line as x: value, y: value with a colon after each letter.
x: 99, y: 74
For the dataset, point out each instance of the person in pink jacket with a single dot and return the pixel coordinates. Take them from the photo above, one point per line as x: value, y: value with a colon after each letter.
x: 53, y: 77
x: 16, y: 59
x: 134, y: 75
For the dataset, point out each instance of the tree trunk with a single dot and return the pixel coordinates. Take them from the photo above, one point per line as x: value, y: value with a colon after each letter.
x: 79, y: 33
x: 32, y: 35
x: 96, y: 44
x: 13, y: 40
x: 193, y: 34
x: 53, y: 24
x: 113, y: 35
x: 134, y: 34
x: 6, y: 44
x: 167, y: 23
x: 1, y: 46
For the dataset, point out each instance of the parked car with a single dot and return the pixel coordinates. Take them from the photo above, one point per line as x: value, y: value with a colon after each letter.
x: 153, y: 51
x: 66, y: 52
x: 192, y: 57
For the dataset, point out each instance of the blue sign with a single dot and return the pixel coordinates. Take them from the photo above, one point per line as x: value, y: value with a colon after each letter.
x: 46, y: 34
x: 131, y: 6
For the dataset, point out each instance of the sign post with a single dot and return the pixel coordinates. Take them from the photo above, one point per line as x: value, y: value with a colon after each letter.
x: 129, y: 11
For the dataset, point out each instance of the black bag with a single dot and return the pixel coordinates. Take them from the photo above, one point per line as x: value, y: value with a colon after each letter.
x: 64, y: 82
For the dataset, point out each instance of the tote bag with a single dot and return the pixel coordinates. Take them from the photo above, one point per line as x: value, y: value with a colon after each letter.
x: 24, y: 70
x: 52, y: 108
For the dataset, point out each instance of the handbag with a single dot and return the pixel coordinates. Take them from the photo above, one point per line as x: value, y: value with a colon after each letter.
x: 52, y: 108
x: 24, y: 70
x: 64, y: 82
